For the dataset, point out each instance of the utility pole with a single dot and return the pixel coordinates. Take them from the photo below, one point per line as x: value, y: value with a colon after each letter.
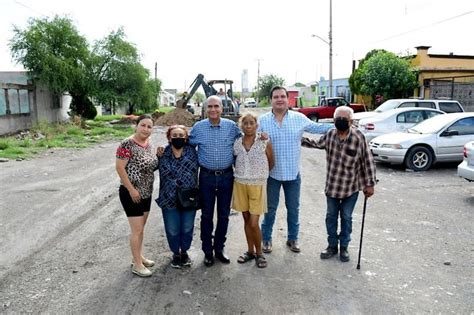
x: 330, y: 48
x: 156, y: 70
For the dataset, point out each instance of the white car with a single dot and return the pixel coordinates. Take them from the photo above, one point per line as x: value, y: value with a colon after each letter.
x: 440, y: 138
x: 393, y: 120
x: 447, y: 106
x: 466, y: 168
x: 250, y: 102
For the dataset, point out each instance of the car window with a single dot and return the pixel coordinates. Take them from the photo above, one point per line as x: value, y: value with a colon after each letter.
x: 450, y: 107
x: 430, y: 113
x: 464, y: 126
x: 411, y: 117
x: 331, y: 102
x: 408, y: 104
x: 427, y: 104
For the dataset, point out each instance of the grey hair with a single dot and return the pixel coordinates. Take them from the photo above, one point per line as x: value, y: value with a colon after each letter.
x: 214, y: 97
x: 345, y: 109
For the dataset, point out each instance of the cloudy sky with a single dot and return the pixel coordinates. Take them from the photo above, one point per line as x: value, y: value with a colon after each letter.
x: 222, y: 38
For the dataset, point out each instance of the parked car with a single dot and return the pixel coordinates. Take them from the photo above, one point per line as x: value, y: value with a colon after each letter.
x: 437, y: 139
x: 447, y: 106
x: 250, y: 102
x: 466, y: 168
x: 327, y: 107
x: 393, y: 120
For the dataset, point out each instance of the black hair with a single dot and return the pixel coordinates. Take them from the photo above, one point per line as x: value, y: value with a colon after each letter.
x: 277, y: 87
x: 144, y: 116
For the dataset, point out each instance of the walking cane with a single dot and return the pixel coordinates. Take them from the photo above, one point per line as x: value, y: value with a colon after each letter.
x: 362, y: 231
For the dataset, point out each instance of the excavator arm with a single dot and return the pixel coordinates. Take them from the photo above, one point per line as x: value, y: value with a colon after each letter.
x: 199, y: 81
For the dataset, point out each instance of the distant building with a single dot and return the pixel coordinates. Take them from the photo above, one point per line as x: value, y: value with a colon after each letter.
x: 445, y: 76
x: 24, y: 103
x: 245, y: 83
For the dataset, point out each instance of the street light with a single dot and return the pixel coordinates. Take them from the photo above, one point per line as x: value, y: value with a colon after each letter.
x: 329, y: 42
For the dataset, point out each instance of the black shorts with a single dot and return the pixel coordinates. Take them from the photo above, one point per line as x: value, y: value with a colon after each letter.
x: 131, y: 208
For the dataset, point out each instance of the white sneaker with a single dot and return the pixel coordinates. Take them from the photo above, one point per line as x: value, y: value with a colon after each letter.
x: 144, y: 272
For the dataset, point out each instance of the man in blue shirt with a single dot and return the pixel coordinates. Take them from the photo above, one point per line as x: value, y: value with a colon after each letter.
x: 214, y: 138
x: 285, y: 129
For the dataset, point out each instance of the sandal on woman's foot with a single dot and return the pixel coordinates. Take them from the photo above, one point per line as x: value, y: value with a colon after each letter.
x: 261, y: 261
x: 245, y: 257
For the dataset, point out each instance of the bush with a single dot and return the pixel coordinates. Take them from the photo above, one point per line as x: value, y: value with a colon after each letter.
x: 81, y: 105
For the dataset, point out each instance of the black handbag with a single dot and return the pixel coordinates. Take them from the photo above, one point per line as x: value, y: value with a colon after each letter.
x: 188, y: 199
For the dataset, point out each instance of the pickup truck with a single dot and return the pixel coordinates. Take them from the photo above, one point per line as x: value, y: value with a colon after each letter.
x: 327, y: 107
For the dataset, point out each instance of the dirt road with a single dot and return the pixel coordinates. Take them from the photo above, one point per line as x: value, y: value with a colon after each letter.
x: 64, y: 247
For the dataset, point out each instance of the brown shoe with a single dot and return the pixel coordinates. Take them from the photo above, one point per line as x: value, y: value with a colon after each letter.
x: 293, y: 245
x: 267, y: 247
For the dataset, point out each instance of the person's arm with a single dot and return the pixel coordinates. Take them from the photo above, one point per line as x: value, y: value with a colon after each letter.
x: 314, y: 127
x: 368, y: 169
x: 237, y: 132
x: 120, y: 168
x: 269, y: 153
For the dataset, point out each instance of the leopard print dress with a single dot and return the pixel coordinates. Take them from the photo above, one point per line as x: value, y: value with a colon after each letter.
x: 141, y: 165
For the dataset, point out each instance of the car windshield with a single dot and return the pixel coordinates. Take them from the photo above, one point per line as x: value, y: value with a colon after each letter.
x: 432, y: 125
x: 390, y: 104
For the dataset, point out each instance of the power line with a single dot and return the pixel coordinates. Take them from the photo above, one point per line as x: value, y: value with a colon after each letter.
x: 426, y: 26
x: 30, y: 8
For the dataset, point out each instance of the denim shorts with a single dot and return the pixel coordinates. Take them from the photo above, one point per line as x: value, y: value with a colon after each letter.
x: 131, y: 208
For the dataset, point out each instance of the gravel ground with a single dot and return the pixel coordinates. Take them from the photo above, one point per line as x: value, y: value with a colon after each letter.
x: 64, y: 247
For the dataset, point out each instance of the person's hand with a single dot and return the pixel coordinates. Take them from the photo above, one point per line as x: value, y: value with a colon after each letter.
x: 135, y: 195
x: 159, y: 151
x: 263, y: 136
x: 369, y: 191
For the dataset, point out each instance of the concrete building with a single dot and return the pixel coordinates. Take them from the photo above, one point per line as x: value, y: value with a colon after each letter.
x: 23, y: 103
x: 445, y: 76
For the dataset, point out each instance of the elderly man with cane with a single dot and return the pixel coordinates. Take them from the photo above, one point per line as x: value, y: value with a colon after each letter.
x: 350, y: 169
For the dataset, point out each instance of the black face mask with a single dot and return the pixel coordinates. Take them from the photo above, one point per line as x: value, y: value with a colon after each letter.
x: 341, y: 124
x: 178, y: 143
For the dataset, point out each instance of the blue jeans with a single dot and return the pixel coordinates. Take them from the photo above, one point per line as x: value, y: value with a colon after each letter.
x: 291, y: 189
x: 344, y: 207
x: 179, y: 226
x: 214, y: 187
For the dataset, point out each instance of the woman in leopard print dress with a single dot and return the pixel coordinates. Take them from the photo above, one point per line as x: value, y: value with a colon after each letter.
x: 135, y: 164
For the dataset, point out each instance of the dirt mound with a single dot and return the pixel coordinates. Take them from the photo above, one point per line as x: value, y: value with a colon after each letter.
x: 177, y: 117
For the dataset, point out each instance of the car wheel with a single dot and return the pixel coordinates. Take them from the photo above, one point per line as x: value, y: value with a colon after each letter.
x: 313, y: 117
x: 419, y: 159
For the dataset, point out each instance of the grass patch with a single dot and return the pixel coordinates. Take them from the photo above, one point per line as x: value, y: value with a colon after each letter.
x: 166, y: 109
x: 63, y: 135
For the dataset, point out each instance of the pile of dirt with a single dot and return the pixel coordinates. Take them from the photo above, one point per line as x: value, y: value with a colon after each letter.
x: 178, y: 116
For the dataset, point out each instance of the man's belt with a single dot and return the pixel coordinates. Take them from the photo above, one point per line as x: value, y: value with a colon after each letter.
x: 216, y: 172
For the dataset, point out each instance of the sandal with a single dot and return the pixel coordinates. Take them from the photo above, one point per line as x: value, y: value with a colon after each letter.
x: 245, y: 257
x: 261, y: 261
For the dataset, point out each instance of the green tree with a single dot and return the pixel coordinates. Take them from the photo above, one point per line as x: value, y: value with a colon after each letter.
x: 383, y: 73
x: 54, y: 52
x: 266, y: 83
x: 120, y: 78
x: 199, y: 97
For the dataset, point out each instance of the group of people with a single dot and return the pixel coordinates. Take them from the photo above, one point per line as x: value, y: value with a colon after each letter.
x: 243, y: 169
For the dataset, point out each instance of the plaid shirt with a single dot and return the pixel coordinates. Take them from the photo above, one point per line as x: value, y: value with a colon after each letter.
x: 286, y: 141
x: 176, y: 172
x: 350, y: 164
x: 215, y: 144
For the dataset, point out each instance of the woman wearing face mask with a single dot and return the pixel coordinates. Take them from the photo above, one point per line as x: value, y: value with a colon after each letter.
x: 178, y: 168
